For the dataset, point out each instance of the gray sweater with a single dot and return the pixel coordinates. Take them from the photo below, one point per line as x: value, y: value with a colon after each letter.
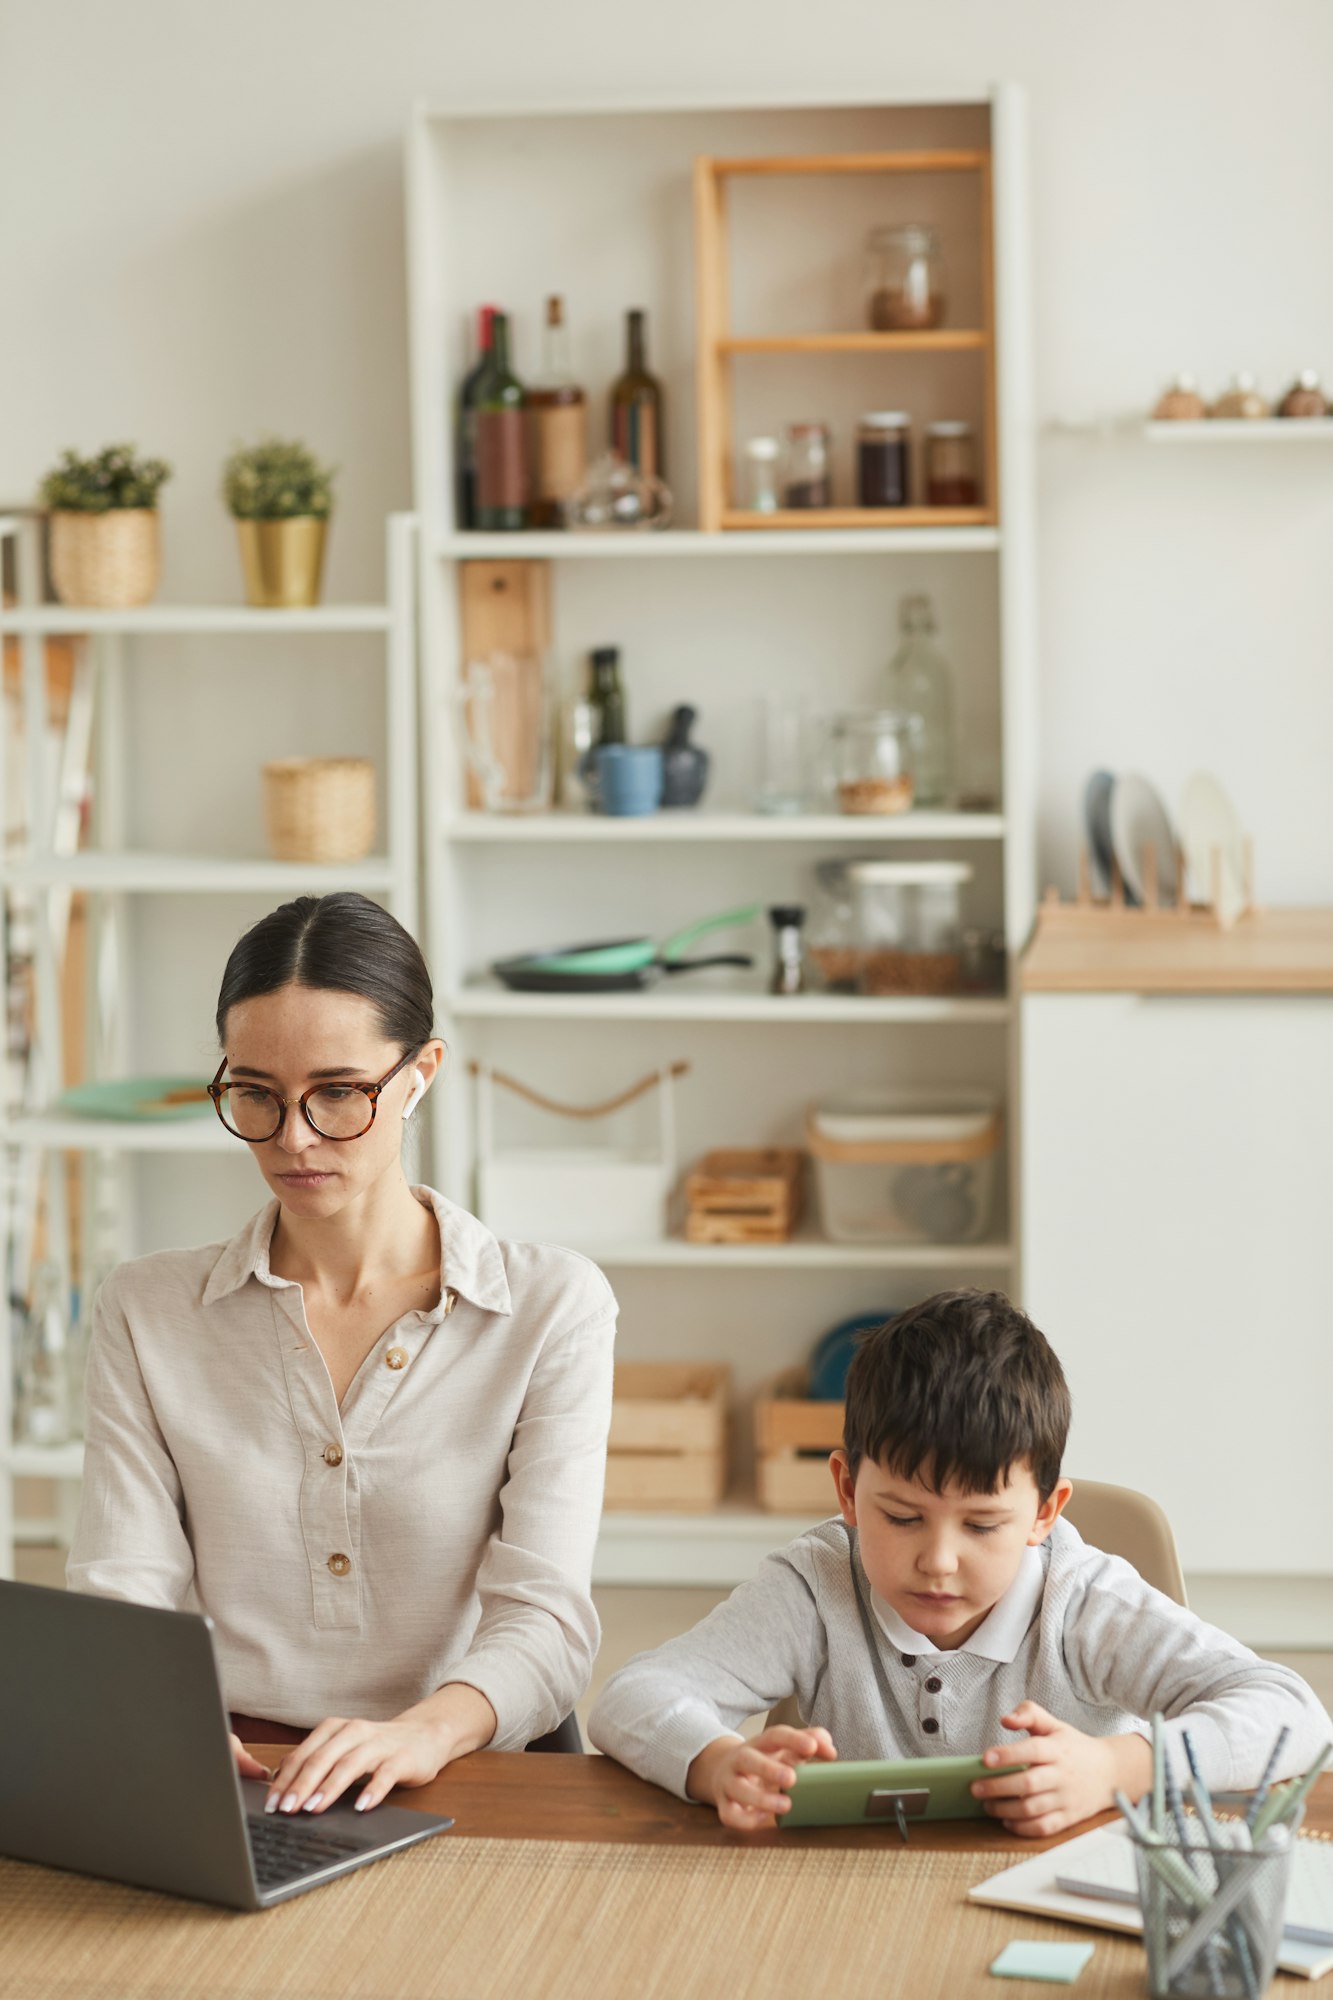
x: 1103, y: 1651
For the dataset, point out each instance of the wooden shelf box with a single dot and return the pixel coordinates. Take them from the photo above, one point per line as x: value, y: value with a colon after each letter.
x: 718, y: 346
x: 793, y: 1438
x: 745, y: 1195
x: 668, y: 1444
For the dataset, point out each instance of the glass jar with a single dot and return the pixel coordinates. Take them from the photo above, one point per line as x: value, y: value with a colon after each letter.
x: 908, y: 930
x: 807, y: 475
x: 759, y: 484
x: 871, y: 757
x: 904, y: 279
x: 831, y: 934
x: 882, y: 474
x: 920, y: 687
x: 951, y: 465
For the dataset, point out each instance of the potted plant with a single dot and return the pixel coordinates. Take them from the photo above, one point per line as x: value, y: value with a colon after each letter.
x: 281, y: 498
x: 105, y: 548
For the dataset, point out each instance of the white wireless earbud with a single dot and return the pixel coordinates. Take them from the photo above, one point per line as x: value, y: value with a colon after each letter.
x: 415, y: 1095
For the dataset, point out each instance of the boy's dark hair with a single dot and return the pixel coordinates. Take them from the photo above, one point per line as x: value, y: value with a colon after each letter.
x: 957, y: 1390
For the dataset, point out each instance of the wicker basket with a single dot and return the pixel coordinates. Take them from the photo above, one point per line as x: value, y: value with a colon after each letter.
x: 320, y: 808
x: 109, y: 560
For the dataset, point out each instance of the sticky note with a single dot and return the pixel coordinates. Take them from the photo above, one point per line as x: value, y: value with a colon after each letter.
x: 1061, y: 1964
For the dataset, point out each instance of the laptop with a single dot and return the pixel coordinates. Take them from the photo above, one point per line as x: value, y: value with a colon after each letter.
x: 114, y: 1761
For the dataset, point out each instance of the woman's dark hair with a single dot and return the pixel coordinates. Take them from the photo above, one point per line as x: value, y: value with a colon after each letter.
x: 337, y: 944
x: 958, y: 1389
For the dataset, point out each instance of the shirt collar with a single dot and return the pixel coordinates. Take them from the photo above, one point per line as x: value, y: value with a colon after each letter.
x: 471, y: 1261
x: 1000, y: 1633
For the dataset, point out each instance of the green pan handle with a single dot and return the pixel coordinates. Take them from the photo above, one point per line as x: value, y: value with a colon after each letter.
x: 676, y: 946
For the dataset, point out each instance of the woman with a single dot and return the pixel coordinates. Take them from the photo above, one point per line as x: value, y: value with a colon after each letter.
x: 367, y: 1438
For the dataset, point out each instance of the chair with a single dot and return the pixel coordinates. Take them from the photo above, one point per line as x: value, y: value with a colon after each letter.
x: 565, y: 1736
x: 1113, y: 1518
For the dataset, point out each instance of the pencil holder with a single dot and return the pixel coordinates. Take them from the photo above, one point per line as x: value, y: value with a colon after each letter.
x: 1212, y: 1914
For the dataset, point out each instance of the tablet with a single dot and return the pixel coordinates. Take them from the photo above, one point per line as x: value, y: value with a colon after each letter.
x: 880, y: 1791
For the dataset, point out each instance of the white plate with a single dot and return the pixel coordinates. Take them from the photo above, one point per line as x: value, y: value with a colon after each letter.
x: 1097, y: 825
x: 1210, y: 826
x: 1139, y: 821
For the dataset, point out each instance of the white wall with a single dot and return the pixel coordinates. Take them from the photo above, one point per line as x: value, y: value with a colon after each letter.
x: 203, y: 238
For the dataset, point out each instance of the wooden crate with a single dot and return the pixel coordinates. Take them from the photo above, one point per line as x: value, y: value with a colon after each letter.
x: 786, y: 1424
x: 668, y: 1444
x: 745, y: 1195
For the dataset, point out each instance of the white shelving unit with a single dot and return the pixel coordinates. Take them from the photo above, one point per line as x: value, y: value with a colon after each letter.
x: 596, y: 204
x: 113, y: 874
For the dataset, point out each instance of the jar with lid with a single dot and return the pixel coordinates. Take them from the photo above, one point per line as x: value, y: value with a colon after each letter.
x: 807, y: 474
x: 759, y: 478
x: 883, y: 478
x: 832, y: 942
x: 951, y: 465
x: 871, y: 758
x: 1180, y: 402
x: 904, y: 279
x: 908, y: 927
x: 1304, y: 398
x: 1241, y: 399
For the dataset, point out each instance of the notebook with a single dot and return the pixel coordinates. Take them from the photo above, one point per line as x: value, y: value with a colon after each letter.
x: 1105, y: 1859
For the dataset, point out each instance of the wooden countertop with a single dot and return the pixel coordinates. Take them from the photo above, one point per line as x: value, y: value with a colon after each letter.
x: 1080, y: 950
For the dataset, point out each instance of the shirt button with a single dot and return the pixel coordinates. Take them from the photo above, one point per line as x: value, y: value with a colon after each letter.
x: 340, y: 1564
x: 930, y: 1725
x: 396, y: 1358
x: 909, y: 1659
x: 333, y: 1454
x: 934, y: 1684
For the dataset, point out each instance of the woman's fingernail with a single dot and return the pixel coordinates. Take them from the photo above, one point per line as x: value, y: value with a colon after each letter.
x: 363, y: 1802
x: 271, y: 1802
x: 289, y: 1803
x: 318, y: 1800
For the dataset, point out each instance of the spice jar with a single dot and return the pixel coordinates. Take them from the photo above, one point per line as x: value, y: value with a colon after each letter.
x: 951, y: 465
x: 1304, y: 398
x: 872, y: 768
x: 808, y: 477
x: 907, y: 925
x: 904, y: 279
x: 1241, y: 399
x: 1180, y: 403
x: 759, y: 494
x: 882, y: 478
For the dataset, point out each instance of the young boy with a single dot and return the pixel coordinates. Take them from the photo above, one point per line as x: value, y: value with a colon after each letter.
x: 951, y: 1611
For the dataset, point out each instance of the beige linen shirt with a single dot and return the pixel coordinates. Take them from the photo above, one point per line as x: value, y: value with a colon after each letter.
x: 440, y: 1527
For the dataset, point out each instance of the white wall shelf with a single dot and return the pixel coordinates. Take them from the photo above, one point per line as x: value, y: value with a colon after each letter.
x: 54, y: 1132
x: 804, y: 1253
x: 145, y: 620
x: 719, y: 1549
x: 668, y: 543
x: 1251, y: 431
x: 189, y: 874
x: 662, y: 1003
x: 862, y: 829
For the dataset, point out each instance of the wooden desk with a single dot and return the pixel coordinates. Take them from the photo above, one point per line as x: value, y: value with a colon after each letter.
x: 565, y: 1879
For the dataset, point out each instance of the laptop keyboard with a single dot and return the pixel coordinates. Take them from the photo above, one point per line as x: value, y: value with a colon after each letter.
x: 285, y: 1849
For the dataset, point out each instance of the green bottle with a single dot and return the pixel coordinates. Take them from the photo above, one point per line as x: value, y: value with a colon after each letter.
x: 607, y: 696
x: 503, y: 476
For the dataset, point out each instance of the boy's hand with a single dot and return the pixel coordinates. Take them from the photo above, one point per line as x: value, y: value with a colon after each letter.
x: 748, y: 1782
x: 1069, y: 1775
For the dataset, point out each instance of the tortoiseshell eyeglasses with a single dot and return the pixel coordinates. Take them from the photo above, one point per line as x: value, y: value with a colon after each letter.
x: 253, y: 1112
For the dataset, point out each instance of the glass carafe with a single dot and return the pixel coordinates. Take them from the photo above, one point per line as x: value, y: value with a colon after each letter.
x: 920, y: 684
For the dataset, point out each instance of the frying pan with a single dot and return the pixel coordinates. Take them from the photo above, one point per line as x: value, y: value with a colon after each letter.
x: 623, y: 965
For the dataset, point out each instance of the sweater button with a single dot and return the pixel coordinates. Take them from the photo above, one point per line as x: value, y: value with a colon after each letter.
x: 909, y: 1659
x: 930, y: 1725
x: 934, y: 1684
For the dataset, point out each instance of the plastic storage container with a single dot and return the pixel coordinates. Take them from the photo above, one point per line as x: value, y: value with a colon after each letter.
x: 906, y: 1166
x: 908, y: 928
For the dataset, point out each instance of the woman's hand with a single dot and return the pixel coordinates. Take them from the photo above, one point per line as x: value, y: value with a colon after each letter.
x: 748, y: 1782
x: 248, y: 1766
x: 410, y: 1750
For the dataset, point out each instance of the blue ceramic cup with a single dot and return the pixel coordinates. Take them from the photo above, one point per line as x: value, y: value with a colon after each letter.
x: 626, y: 778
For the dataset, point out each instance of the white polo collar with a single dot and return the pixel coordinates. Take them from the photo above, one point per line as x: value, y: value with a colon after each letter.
x: 1000, y: 1633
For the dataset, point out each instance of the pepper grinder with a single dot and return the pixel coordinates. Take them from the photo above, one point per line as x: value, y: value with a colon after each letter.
x: 789, y: 963
x: 684, y: 764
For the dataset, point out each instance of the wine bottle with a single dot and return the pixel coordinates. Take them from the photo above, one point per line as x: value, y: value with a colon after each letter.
x: 559, y: 425
x: 465, y: 432
x: 637, y: 406
x: 502, y: 440
x: 607, y: 697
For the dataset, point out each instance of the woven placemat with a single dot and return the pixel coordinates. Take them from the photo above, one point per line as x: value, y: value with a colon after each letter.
x: 462, y: 1919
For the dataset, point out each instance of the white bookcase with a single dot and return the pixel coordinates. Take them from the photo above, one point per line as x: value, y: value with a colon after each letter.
x: 596, y: 204
x: 127, y: 1033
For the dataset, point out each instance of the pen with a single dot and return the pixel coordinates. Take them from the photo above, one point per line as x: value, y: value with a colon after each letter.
x: 1282, y: 1806
x: 1274, y: 1755
x: 1158, y: 1774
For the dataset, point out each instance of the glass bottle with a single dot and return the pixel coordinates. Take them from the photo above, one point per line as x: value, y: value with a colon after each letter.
x: 502, y: 440
x: 636, y: 404
x: 559, y: 425
x: 607, y: 696
x: 465, y: 447
x: 921, y: 685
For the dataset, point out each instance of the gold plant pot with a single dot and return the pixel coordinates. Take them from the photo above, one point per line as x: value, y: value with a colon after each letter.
x: 283, y: 561
x: 110, y: 561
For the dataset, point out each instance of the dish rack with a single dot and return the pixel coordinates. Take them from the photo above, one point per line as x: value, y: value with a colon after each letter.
x: 1116, y: 909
